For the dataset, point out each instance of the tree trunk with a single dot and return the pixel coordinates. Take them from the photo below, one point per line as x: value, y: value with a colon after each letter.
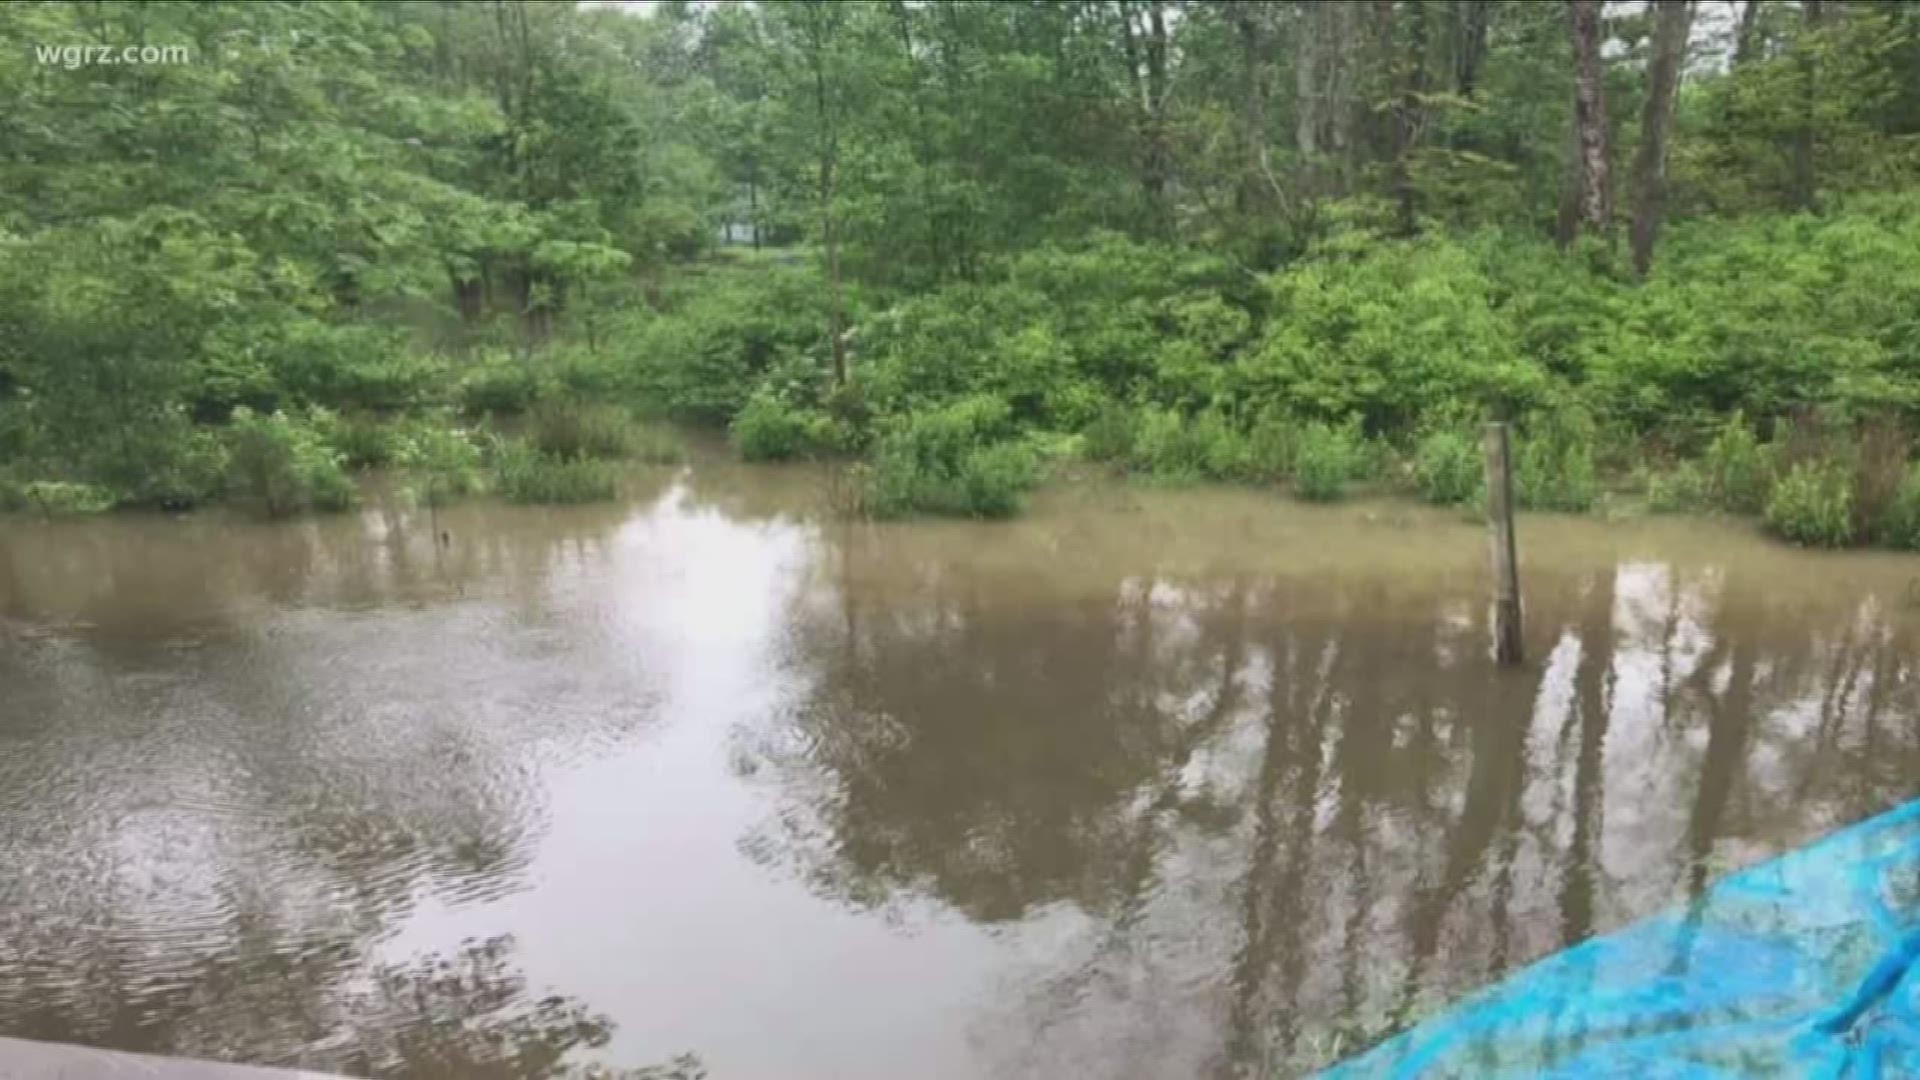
x: 1671, y: 21
x: 1595, y: 208
x: 1157, y: 164
x: 829, y: 234
x: 1407, y: 115
x: 1812, y: 15
x: 1307, y: 88
x: 1470, y: 45
x: 1746, y: 42
x: 1251, y: 193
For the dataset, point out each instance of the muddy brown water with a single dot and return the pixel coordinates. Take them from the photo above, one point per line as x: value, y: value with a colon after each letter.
x: 1146, y: 784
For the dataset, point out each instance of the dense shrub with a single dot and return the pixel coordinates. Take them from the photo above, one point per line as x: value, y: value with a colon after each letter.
x: 769, y: 428
x: 1270, y: 447
x: 1900, y: 526
x: 1684, y: 487
x: 442, y: 463
x: 65, y: 497
x: 361, y: 366
x: 1813, y: 504
x: 963, y: 460
x: 501, y: 383
x: 1554, y: 469
x: 523, y: 474
x: 705, y: 355
x: 363, y: 441
x: 1326, y: 459
x: 1168, y: 444
x: 1737, y: 470
x: 281, y: 465
x: 187, y: 470
x: 572, y: 429
x: 1448, y: 466
x: 1109, y: 435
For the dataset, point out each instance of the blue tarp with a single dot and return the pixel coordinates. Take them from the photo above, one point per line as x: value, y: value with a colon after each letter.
x: 1799, y: 967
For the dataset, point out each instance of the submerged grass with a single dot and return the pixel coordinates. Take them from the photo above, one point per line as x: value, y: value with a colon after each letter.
x: 525, y: 474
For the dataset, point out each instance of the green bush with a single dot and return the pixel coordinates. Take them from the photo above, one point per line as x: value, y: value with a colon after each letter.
x: 1170, y: 445
x: 1899, y: 526
x: 442, y: 463
x: 13, y: 495
x: 962, y: 460
x: 576, y: 430
x: 1737, y: 469
x: 63, y: 497
x: 523, y: 474
x: 281, y: 465
x: 1554, y: 469
x: 1813, y: 504
x: 363, y: 442
x: 499, y: 383
x: 1683, y: 488
x: 1448, y: 467
x: 1270, y: 447
x: 185, y: 470
x: 769, y: 428
x: 1109, y: 435
x: 1326, y: 459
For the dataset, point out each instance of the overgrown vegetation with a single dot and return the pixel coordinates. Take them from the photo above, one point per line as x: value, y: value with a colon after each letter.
x: 978, y: 241
x: 527, y: 474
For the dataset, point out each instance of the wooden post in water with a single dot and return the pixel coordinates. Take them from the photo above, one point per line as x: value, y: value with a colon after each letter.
x: 1506, y: 561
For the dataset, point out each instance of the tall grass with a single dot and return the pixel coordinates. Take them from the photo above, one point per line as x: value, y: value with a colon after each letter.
x: 1326, y: 458
x: 1813, y: 504
x: 1447, y: 467
x: 525, y: 474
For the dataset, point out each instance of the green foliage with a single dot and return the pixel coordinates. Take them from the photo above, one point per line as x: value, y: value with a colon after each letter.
x: 1327, y: 458
x: 1271, y: 447
x: 500, y: 384
x: 704, y: 357
x: 1554, y: 467
x: 1448, y: 466
x: 524, y: 474
x: 1736, y: 470
x: 1899, y: 527
x: 1168, y: 444
x: 59, y: 497
x: 441, y: 463
x: 1683, y: 488
x: 962, y: 460
x: 770, y: 429
x: 281, y: 465
x: 1109, y: 436
x: 1812, y: 504
x: 571, y: 429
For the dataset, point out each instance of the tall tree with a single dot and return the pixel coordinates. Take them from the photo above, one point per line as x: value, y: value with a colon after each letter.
x: 1412, y: 79
x: 1593, y: 182
x: 1746, y: 41
x: 1672, y: 18
x: 1812, y: 14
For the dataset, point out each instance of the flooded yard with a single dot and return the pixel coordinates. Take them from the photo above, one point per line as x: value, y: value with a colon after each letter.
x: 1149, y: 783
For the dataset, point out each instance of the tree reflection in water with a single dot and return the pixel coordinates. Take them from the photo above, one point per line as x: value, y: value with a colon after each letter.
x: 1283, y: 816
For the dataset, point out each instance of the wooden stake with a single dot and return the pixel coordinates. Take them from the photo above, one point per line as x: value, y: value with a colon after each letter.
x: 1506, y: 561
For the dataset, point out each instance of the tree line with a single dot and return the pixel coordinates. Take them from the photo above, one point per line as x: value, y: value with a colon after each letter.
x: 955, y: 239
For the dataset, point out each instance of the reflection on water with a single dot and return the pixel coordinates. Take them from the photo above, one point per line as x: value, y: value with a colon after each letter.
x: 1147, y: 784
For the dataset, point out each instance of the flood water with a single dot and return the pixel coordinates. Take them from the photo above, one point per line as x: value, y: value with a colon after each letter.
x: 1146, y: 784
